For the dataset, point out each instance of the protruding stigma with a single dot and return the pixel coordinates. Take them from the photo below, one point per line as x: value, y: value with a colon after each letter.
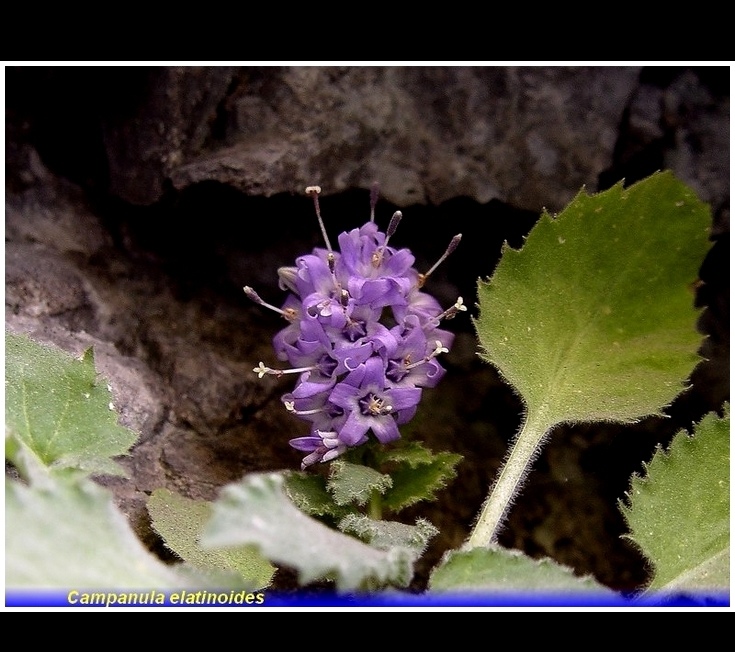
x: 289, y: 314
x: 377, y: 258
x: 450, y: 248
x: 314, y: 192
x: 374, y: 192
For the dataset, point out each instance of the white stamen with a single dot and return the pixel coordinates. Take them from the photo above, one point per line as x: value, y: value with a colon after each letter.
x: 290, y: 407
x: 449, y: 313
x: 262, y: 370
x: 440, y: 348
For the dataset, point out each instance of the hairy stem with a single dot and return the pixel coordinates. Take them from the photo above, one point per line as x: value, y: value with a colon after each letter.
x: 509, y: 481
x: 376, y: 506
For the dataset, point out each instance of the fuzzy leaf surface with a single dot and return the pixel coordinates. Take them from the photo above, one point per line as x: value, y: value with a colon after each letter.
x: 59, y: 410
x: 309, y: 493
x: 679, y: 512
x: 180, y: 521
x: 390, y: 534
x: 355, y: 483
x: 594, y: 318
x: 70, y: 534
x: 257, y: 511
x: 416, y: 472
x: 499, y: 570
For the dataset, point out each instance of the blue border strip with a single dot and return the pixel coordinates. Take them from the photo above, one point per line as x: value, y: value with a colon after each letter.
x: 122, y: 598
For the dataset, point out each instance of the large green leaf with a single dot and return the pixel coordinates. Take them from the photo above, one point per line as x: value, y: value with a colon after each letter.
x: 59, y: 411
x: 257, y: 511
x: 496, y: 570
x: 679, y: 512
x: 594, y: 318
x: 71, y: 535
x: 180, y: 520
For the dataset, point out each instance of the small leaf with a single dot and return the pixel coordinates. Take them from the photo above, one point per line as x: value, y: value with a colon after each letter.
x: 257, y: 511
x: 410, y: 453
x: 594, y: 319
x: 679, y: 513
x: 417, y: 474
x: 180, y: 520
x: 71, y: 534
x: 498, y: 570
x: 355, y: 483
x: 386, y: 535
x: 309, y: 493
x: 58, y: 409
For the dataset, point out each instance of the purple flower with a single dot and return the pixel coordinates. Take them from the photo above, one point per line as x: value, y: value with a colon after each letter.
x: 322, y: 446
x: 371, y: 404
x: 377, y: 275
x: 356, y: 374
x: 413, y: 360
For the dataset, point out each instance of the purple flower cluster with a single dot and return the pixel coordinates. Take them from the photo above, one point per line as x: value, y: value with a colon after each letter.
x: 362, y: 336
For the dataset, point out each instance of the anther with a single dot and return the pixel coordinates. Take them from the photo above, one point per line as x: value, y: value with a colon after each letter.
x: 314, y: 192
x: 450, y: 248
x: 289, y: 314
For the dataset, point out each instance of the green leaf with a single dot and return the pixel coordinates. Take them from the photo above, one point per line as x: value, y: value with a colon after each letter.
x: 355, y: 483
x: 594, y: 319
x: 256, y: 511
x: 417, y: 474
x: 59, y: 412
x: 498, y: 570
x: 71, y: 535
x: 409, y: 453
x: 386, y: 535
x: 679, y: 512
x: 180, y: 520
x: 309, y: 493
